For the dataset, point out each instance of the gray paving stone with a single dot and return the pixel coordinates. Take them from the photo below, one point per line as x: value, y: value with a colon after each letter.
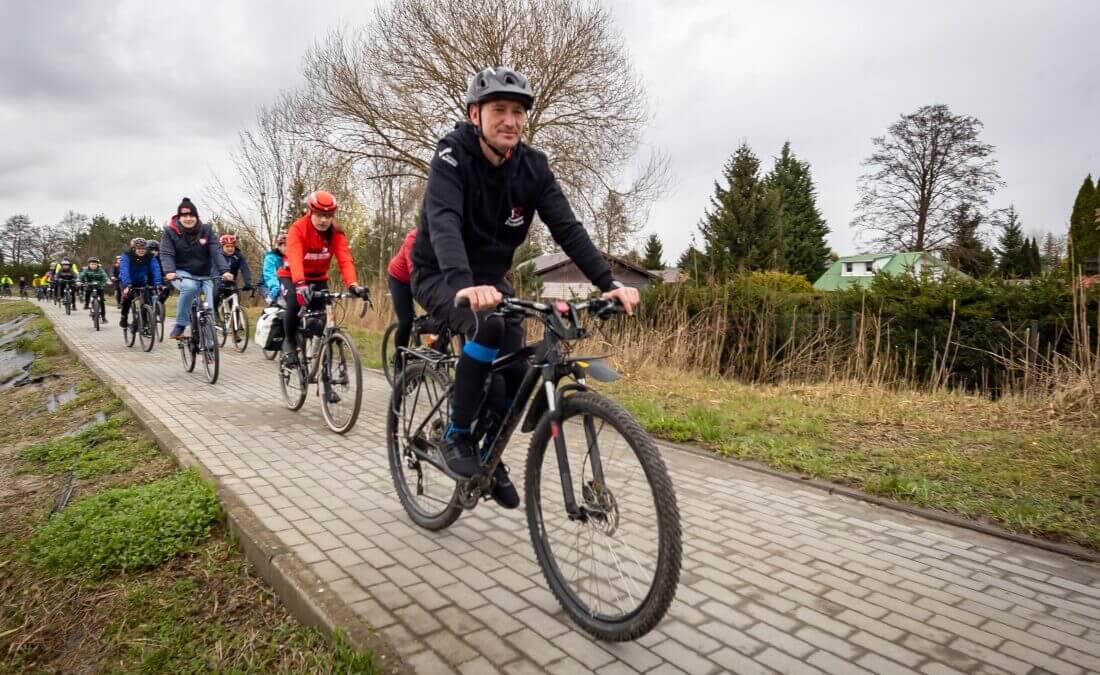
x: 795, y: 580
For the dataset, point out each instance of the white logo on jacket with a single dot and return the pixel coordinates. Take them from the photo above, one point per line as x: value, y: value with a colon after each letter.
x: 445, y: 155
x: 516, y: 219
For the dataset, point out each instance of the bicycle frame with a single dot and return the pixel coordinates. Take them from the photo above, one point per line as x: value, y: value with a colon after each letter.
x: 312, y: 361
x: 548, y: 367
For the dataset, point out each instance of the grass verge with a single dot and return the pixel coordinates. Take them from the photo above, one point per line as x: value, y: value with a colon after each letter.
x: 1000, y: 462
x: 138, y: 573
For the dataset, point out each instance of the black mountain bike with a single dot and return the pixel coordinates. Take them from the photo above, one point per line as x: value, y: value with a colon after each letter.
x: 601, y: 509
x: 95, y: 305
x: 426, y: 332
x: 141, y: 322
x: 328, y: 358
x: 203, y: 338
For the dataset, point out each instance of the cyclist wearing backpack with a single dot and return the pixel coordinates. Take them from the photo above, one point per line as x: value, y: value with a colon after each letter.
x: 484, y: 188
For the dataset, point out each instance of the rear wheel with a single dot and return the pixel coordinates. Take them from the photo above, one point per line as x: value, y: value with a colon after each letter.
x: 292, y: 382
x: 429, y: 496
x: 615, y: 568
x: 160, y: 321
x: 341, y: 383
x: 388, y: 352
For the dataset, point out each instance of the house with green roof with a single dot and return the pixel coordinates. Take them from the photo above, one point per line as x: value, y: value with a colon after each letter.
x: 859, y: 270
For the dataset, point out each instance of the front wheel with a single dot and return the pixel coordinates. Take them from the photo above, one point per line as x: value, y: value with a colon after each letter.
x: 417, y: 417
x: 341, y: 383
x: 147, y: 331
x: 615, y: 568
x: 95, y: 313
x: 208, y: 346
x: 241, y: 329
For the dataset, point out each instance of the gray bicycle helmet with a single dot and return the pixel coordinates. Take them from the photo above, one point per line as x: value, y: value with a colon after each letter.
x: 497, y: 83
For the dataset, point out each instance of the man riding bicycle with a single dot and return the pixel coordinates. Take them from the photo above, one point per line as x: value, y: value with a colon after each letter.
x: 189, y: 252
x: 236, y: 264
x: 94, y: 275
x: 6, y: 284
x: 484, y: 188
x: 312, y: 242
x: 138, y: 268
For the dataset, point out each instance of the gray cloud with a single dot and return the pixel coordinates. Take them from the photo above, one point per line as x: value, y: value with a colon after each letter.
x: 122, y: 106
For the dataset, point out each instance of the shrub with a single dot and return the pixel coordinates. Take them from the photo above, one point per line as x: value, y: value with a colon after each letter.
x: 128, y: 528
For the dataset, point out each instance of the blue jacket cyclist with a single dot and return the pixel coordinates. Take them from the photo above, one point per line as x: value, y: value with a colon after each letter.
x: 137, y: 269
x: 274, y: 260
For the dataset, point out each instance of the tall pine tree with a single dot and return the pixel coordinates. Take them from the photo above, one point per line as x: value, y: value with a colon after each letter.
x: 1035, y: 261
x: 1083, y: 229
x: 967, y: 252
x: 1051, y: 251
x: 743, y: 228
x: 1014, y: 251
x: 296, y: 202
x: 804, y: 230
x: 652, y: 254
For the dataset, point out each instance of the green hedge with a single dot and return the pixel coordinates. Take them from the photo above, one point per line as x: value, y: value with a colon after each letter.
x: 764, y: 316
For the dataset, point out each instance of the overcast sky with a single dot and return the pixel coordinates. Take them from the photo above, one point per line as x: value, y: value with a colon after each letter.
x: 120, y: 106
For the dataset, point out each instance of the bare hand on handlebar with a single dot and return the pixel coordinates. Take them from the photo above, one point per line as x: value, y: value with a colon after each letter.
x: 479, y: 297
x: 626, y: 296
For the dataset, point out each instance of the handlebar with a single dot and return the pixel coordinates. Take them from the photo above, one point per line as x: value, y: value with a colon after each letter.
x: 602, y: 308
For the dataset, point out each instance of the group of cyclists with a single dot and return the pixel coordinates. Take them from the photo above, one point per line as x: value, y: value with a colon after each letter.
x: 484, y: 188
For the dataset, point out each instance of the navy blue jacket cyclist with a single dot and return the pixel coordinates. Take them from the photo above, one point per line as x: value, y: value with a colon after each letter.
x: 484, y: 188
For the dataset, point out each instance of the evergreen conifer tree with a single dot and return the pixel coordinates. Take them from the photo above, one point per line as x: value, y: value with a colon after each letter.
x: 1013, y: 253
x: 804, y: 229
x: 652, y: 254
x: 1083, y: 229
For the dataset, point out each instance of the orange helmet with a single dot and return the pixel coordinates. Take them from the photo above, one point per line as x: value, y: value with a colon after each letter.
x: 227, y: 239
x: 322, y: 202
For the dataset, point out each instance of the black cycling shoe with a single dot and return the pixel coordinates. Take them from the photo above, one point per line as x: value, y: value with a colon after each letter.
x: 460, y: 456
x: 290, y: 359
x: 504, y: 492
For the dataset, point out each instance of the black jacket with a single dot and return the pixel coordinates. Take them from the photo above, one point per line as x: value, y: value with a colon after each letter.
x: 475, y: 215
x: 236, y: 263
x: 196, y: 251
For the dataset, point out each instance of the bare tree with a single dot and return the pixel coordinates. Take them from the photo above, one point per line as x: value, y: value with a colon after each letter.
x: 269, y: 159
x: 929, y: 164
x: 16, y: 239
x: 384, y: 94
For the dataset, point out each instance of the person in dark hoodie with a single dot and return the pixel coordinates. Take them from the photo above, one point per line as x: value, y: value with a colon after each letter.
x: 190, y: 256
x: 484, y: 188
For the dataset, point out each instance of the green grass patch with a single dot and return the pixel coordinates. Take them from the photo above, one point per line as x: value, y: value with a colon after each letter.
x: 128, y: 528
x: 1000, y: 461
x: 110, y: 447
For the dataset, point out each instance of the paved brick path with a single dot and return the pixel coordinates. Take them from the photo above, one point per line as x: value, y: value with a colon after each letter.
x: 775, y: 578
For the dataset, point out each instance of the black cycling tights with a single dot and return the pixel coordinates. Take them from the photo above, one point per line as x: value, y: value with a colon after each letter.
x: 290, y: 316
x: 491, y: 336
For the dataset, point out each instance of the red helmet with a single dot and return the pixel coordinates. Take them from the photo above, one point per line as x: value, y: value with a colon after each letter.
x: 227, y: 239
x: 322, y: 202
